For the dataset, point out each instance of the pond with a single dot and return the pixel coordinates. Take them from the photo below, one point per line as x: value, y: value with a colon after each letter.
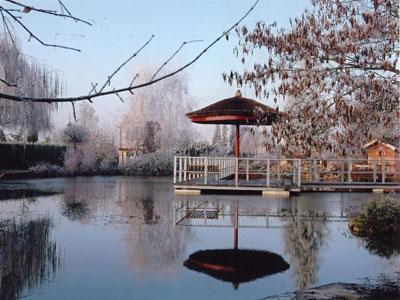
x: 131, y: 238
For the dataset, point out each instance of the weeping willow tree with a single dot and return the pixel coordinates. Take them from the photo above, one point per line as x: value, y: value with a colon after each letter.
x: 28, y: 256
x: 25, y: 77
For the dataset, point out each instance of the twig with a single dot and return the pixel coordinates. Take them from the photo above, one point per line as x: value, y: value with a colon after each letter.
x: 63, y: 7
x: 73, y: 110
x: 172, y: 56
x: 93, y: 88
x: 50, y: 12
x: 32, y: 35
x: 131, y: 88
x: 134, y: 78
x: 124, y: 63
x: 6, y: 27
x: 120, y: 98
x: 7, y: 83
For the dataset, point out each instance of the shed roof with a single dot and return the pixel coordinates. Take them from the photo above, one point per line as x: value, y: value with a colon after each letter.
x: 374, y: 142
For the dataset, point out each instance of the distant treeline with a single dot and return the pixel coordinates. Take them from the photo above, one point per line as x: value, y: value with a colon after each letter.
x: 23, y: 156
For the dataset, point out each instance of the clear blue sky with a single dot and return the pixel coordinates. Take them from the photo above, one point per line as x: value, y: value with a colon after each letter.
x: 121, y: 26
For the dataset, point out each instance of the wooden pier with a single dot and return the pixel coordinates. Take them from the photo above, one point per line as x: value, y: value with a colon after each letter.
x: 194, y: 175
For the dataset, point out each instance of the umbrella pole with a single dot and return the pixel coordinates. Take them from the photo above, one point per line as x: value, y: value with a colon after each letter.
x: 236, y: 227
x: 237, y: 144
x: 237, y: 153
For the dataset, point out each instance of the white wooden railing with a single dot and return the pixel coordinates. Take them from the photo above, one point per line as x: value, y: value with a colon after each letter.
x: 282, y: 172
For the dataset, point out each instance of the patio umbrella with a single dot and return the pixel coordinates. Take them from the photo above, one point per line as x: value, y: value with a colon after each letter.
x: 236, y: 111
x: 236, y: 265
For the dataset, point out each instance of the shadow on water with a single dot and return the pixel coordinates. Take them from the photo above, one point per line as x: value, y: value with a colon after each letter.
x: 23, y: 193
x: 382, y: 245
x: 28, y: 256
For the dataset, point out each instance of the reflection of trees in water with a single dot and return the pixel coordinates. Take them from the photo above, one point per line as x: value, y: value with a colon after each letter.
x: 154, y: 244
x: 83, y: 199
x: 28, y: 257
x: 149, y: 214
x: 143, y: 206
x: 75, y: 210
x: 305, y: 234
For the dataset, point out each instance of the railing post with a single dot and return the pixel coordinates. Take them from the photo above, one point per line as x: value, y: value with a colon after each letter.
x: 184, y: 168
x: 247, y: 169
x: 180, y: 169
x: 279, y: 170
x: 315, y: 170
x: 375, y: 165
x: 190, y: 167
x: 349, y: 169
x: 174, y: 169
x: 268, y: 175
x: 236, y: 171
x: 205, y: 169
x: 299, y: 173
x: 294, y: 173
x: 342, y: 173
x: 383, y: 171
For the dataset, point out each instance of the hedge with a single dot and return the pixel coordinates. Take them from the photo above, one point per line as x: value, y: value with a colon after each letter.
x: 23, y: 156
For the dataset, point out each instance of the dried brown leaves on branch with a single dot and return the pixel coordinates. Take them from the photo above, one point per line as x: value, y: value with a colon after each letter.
x: 337, y: 70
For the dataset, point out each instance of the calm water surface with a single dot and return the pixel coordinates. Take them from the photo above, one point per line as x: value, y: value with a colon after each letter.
x: 128, y: 238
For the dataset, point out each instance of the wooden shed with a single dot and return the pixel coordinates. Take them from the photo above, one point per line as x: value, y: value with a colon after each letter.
x: 382, y: 151
x: 384, y: 156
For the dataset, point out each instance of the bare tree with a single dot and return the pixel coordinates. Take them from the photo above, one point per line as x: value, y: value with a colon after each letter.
x: 164, y: 104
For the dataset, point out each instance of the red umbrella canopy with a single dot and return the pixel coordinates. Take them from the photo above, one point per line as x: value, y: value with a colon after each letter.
x: 237, y: 110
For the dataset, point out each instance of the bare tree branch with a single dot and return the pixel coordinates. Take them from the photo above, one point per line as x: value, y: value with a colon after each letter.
x: 74, y: 111
x: 108, y: 82
x: 28, y: 8
x: 6, y: 27
x: 133, y: 87
x: 172, y: 56
x: 93, y: 88
x: 63, y: 7
x: 32, y: 35
x: 7, y: 83
x: 134, y: 78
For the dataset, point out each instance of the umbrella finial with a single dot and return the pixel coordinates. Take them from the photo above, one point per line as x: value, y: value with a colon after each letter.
x: 238, y: 93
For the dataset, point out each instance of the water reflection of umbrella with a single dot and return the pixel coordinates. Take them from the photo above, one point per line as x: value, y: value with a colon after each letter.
x: 236, y: 265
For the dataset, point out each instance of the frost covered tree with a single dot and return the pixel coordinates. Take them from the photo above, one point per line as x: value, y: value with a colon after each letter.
x: 224, y: 136
x: 91, y: 143
x: 75, y: 135
x: 25, y: 77
x: 149, y: 136
x: 339, y: 64
x: 217, y: 138
x: 165, y: 103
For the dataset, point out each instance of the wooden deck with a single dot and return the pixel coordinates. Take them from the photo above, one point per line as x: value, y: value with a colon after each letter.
x: 284, y: 176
